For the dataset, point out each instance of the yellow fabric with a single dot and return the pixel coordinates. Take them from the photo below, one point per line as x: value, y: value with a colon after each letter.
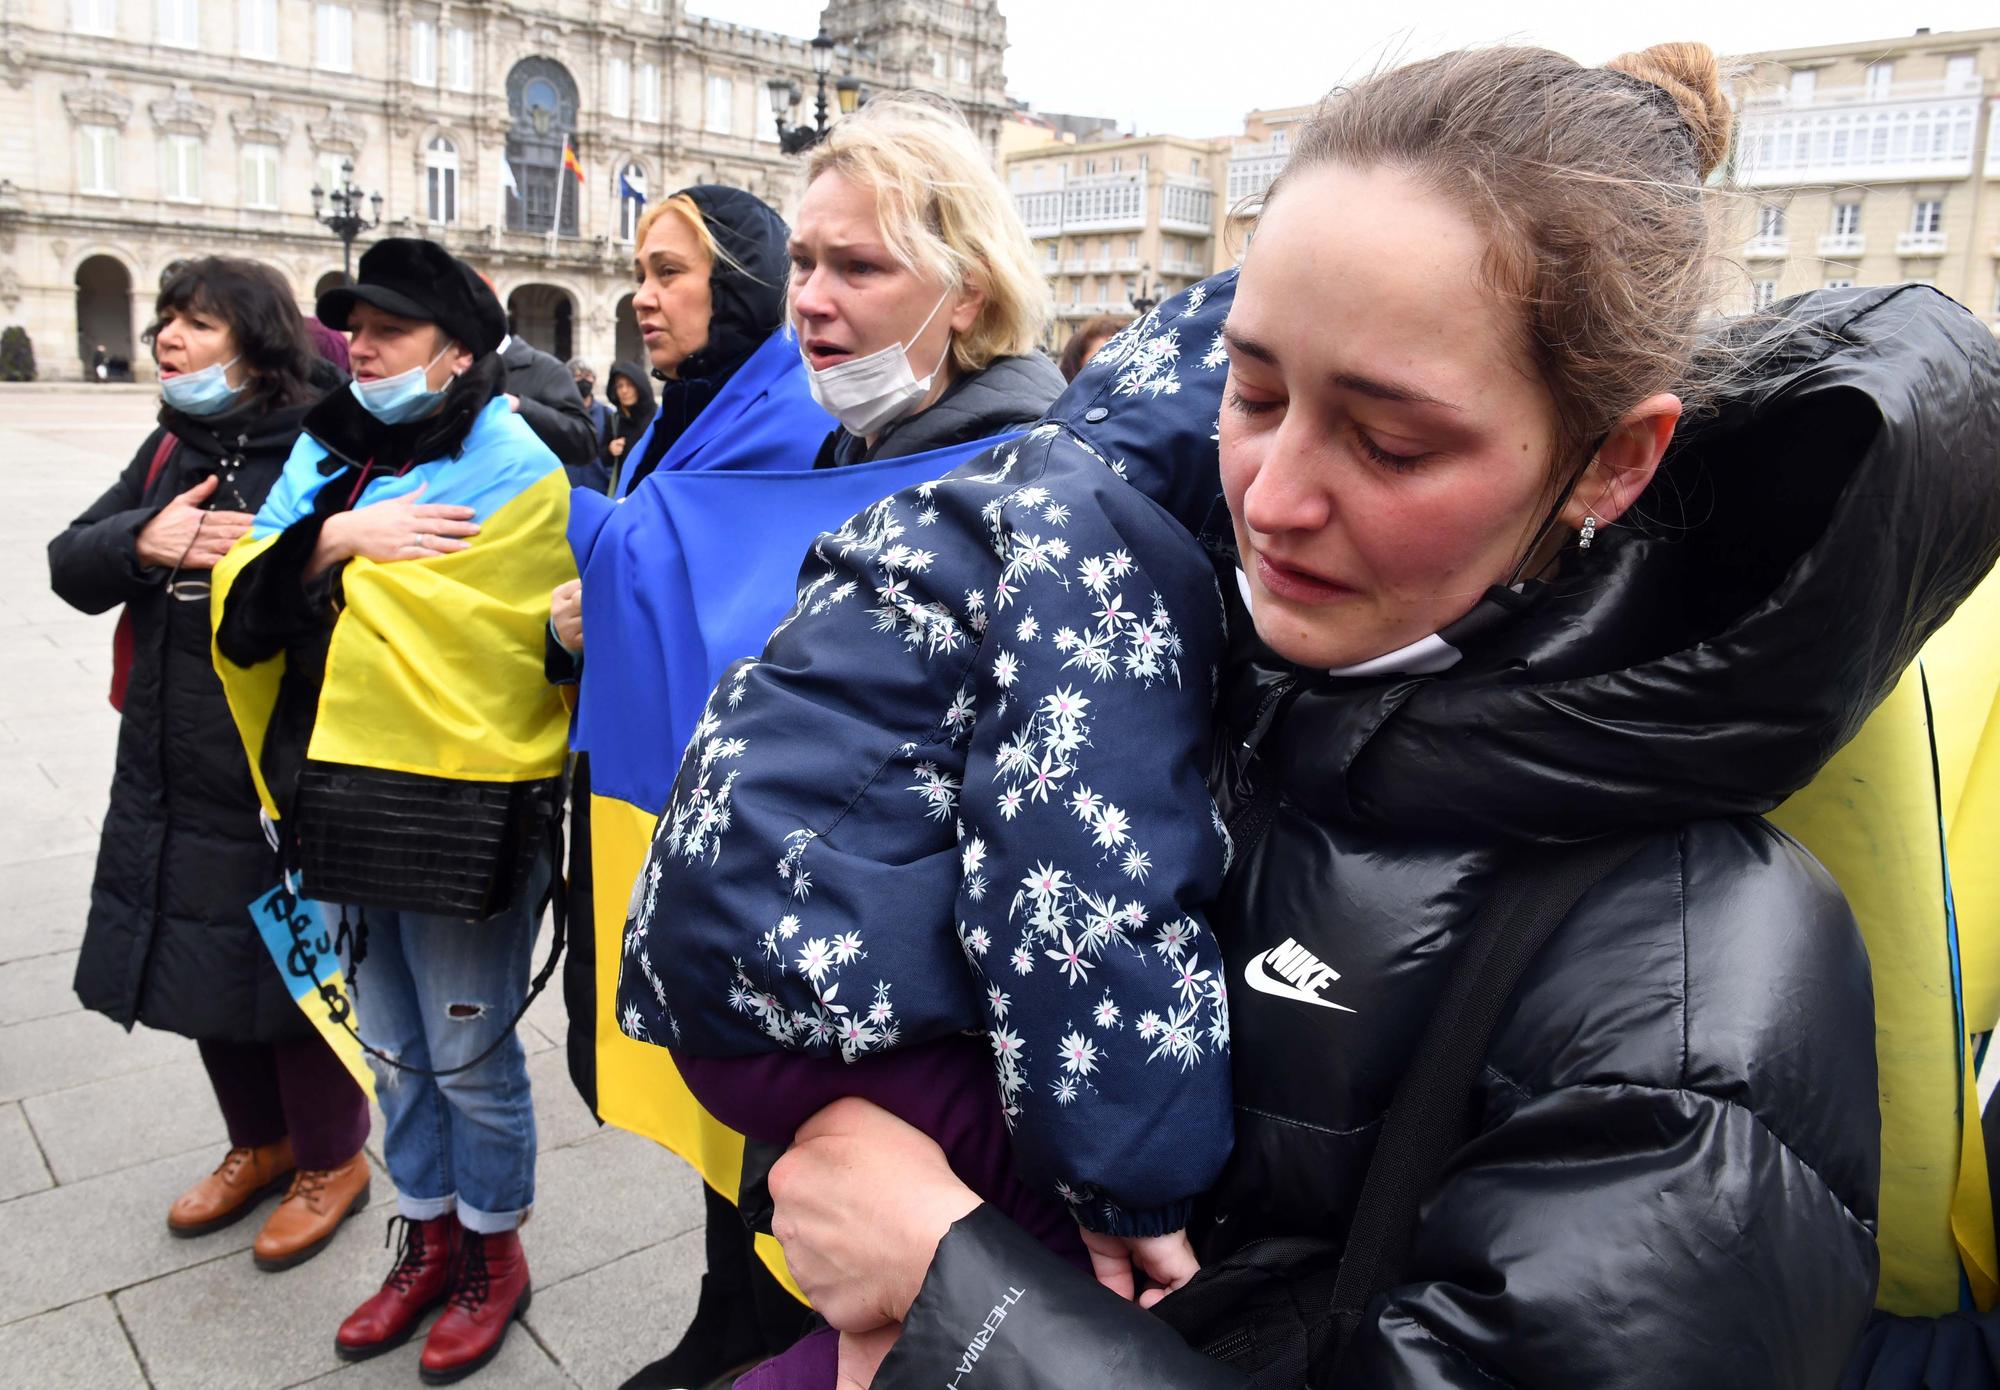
x: 637, y: 1086
x: 252, y: 691
x: 453, y: 645
x: 435, y: 665
x: 1963, y: 665
x: 1872, y: 817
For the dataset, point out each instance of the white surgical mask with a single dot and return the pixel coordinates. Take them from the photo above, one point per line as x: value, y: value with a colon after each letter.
x: 868, y: 393
x: 404, y: 396
x: 206, y: 392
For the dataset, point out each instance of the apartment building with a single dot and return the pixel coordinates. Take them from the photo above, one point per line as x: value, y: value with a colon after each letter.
x: 1117, y: 223
x: 1870, y: 163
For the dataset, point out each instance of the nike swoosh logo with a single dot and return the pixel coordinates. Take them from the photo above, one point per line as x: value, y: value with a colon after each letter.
x: 1262, y: 980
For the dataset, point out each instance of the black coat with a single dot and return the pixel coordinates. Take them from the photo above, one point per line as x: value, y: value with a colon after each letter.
x: 553, y: 408
x: 1674, y: 1181
x: 169, y: 941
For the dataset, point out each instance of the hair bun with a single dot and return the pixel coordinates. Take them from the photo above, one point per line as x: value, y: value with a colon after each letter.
x: 1690, y: 74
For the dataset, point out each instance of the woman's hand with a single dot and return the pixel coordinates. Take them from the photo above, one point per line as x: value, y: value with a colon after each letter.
x: 566, y: 615
x: 861, y: 1201
x: 402, y: 528
x: 617, y: 447
x: 182, y: 535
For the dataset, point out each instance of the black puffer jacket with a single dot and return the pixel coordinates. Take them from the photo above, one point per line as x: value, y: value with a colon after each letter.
x: 170, y: 942
x: 1675, y: 1179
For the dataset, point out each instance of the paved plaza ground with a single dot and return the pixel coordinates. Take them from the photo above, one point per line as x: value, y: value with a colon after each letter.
x: 99, y: 1130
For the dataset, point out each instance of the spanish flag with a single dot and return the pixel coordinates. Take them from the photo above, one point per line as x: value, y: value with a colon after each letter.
x: 569, y: 161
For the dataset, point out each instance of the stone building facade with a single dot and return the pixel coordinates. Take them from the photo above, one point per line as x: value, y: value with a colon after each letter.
x: 1867, y: 164
x: 134, y: 133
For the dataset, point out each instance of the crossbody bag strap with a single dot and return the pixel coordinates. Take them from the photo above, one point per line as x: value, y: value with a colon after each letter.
x: 1430, y: 1117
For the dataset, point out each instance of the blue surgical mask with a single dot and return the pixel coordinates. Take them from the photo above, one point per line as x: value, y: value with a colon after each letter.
x: 206, y: 392
x: 403, y: 397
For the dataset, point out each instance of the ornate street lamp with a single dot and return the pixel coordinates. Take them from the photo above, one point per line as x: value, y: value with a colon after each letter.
x: 1147, y: 297
x: 786, y: 96
x: 346, y: 221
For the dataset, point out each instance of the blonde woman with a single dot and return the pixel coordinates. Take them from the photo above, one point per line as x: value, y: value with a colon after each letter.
x: 1035, y: 629
x: 914, y: 291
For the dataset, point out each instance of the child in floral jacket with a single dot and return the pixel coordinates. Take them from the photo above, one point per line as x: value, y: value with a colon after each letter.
x: 981, y: 740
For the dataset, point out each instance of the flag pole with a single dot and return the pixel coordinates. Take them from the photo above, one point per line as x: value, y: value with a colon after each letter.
x: 562, y: 178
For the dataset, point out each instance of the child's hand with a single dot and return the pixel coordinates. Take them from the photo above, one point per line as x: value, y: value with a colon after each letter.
x: 1167, y: 1260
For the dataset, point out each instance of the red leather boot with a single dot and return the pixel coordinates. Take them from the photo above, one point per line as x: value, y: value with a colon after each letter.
x: 420, y: 1280
x: 490, y: 1292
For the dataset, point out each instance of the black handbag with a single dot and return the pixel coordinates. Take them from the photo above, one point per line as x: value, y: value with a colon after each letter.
x: 414, y: 843
x: 1283, y: 1310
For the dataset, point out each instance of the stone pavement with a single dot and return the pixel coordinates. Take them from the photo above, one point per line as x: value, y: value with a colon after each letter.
x: 99, y: 1130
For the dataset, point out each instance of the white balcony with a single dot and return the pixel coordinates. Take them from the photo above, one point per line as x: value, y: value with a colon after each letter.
x: 1920, y: 244
x: 1841, y: 245
x: 1766, y: 248
x: 1898, y: 90
x: 1124, y: 263
x: 1101, y: 265
x: 1075, y: 267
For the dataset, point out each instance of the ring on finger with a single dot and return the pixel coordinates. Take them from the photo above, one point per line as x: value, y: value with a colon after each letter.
x: 423, y: 540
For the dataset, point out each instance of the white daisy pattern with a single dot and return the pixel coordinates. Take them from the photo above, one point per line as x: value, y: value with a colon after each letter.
x: 963, y: 788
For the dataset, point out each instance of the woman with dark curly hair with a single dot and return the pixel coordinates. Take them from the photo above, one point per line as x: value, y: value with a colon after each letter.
x: 170, y: 942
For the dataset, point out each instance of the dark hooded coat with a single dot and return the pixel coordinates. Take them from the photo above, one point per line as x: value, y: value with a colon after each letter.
x: 626, y: 424
x: 169, y: 941
x: 1674, y: 1178
x: 746, y: 294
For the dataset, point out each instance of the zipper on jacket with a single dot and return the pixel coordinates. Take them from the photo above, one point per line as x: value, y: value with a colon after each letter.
x: 1259, y: 795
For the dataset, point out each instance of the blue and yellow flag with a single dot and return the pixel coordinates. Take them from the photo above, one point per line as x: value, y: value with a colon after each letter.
x: 683, y: 574
x: 434, y: 665
x: 1905, y: 818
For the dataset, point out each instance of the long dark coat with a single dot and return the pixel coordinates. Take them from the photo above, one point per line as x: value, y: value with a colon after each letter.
x: 169, y: 941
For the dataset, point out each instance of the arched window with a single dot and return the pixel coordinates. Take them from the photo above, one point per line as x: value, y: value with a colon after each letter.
x: 631, y: 194
x: 441, y: 181
x: 542, y: 106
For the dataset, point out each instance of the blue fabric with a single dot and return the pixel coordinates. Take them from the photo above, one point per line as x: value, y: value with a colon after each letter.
x: 763, y: 419
x: 464, y: 1141
x: 694, y: 567
x: 981, y: 740
x: 501, y: 459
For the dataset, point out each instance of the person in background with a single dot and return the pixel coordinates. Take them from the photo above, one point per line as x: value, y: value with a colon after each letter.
x: 1084, y: 343
x: 380, y: 634
x: 170, y: 941
x: 331, y: 370
x: 586, y: 386
x: 631, y: 393
x: 542, y: 392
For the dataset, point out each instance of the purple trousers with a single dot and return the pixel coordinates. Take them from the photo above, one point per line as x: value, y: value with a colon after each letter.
x: 270, y: 1090
x: 946, y: 1089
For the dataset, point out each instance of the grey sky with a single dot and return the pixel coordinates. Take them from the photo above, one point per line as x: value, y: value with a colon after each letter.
x: 1166, y: 66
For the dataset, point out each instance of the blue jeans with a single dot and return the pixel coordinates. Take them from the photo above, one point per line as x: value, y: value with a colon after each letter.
x: 434, y: 992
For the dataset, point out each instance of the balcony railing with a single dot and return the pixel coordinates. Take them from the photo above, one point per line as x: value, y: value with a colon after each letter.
x: 1075, y: 266
x: 1920, y: 244
x: 1844, y: 245
x: 1861, y: 95
x: 1767, y: 248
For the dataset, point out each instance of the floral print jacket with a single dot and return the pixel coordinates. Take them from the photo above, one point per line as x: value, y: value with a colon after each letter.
x: 964, y: 788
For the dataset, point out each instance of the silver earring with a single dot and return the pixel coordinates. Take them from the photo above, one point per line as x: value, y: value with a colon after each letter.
x: 1588, y: 534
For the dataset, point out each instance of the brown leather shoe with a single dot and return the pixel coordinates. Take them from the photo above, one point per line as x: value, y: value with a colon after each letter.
x: 320, y: 1199
x: 227, y: 1195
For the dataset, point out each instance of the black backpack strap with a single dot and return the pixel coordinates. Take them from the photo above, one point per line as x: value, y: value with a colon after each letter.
x: 1430, y: 1117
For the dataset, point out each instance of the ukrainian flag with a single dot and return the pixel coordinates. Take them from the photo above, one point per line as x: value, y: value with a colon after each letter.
x: 434, y: 665
x: 1905, y: 818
